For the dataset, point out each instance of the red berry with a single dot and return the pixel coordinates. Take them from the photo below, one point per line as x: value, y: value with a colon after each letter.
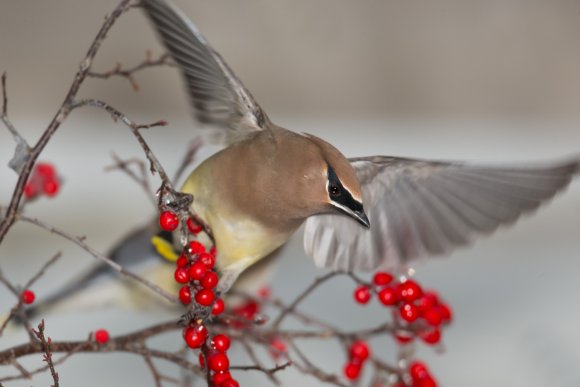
x: 359, y: 350
x: 432, y: 316
x: 388, y: 296
x: 382, y: 278
x: 219, y: 362
x: 207, y: 259
x: 444, y: 312
x: 50, y: 187
x: 218, y: 307
x: 168, y: 220
x: 220, y: 343
x: 185, y: 295
x: 45, y: 170
x: 265, y: 292
x: 182, y: 261
x: 27, y: 296
x: 362, y: 294
x: 213, y: 251
x: 247, y: 310
x: 197, y: 271
x: 205, y: 297
x: 210, y: 280
x: 181, y: 275
x: 193, y: 227
x: 410, y: 290
x: 425, y: 382
x: 432, y: 336
x: 230, y: 383
x: 403, y: 337
x: 409, y: 312
x: 101, y: 336
x: 278, y: 347
x: 201, y: 360
x: 196, y: 248
x: 352, y: 370
x: 427, y: 301
x: 195, y: 336
x: 418, y: 370
x: 220, y: 377
x: 30, y: 190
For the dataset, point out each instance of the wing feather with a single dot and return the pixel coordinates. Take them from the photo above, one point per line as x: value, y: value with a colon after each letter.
x: 422, y: 208
x: 217, y: 96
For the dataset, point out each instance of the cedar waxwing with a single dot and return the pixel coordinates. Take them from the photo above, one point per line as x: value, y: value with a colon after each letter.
x: 268, y: 180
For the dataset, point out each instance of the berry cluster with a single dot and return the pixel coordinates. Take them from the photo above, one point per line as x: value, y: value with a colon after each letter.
x: 196, y: 337
x: 412, y: 303
x: 194, y: 270
x: 417, y: 313
x: 358, y: 352
x: 43, y: 180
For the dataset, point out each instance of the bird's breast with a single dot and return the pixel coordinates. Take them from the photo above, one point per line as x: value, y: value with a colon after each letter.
x: 241, y: 239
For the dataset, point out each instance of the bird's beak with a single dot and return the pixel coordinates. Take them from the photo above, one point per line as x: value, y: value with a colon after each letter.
x: 358, y: 214
x: 362, y: 218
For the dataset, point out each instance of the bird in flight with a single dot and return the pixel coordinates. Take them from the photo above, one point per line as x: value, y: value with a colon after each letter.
x: 362, y: 213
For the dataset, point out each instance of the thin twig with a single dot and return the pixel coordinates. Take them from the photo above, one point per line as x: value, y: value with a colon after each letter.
x: 129, y: 73
x: 59, y: 117
x: 155, y: 165
x: 122, y: 270
x: 249, y: 350
x: 268, y: 371
x: 319, y: 281
x: 311, y: 369
x: 154, y: 372
x: 188, y: 158
x: 142, y: 181
x: 22, y: 151
x: 43, y: 269
x: 17, y: 309
x: 46, y: 348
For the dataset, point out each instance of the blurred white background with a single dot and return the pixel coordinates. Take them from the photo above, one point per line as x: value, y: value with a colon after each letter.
x: 490, y: 81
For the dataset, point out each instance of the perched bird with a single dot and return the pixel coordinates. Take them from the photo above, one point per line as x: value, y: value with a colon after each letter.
x: 361, y: 213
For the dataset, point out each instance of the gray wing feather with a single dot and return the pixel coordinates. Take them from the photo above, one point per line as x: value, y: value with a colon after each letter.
x: 421, y: 208
x: 217, y: 96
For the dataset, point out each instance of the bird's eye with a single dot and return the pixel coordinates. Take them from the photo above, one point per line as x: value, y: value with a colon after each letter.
x: 334, y: 190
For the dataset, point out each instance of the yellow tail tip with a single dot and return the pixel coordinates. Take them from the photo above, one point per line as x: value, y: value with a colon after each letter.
x: 164, y: 248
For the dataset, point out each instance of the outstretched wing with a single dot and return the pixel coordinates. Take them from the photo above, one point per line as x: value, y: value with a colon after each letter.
x: 421, y: 208
x: 217, y: 96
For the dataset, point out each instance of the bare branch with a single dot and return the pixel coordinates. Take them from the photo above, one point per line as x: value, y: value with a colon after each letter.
x: 319, y: 281
x: 22, y: 151
x: 81, y: 243
x: 129, y: 73
x: 188, y: 158
x: 142, y: 180
x: 43, y: 269
x: 59, y: 117
x: 17, y: 309
x: 117, y: 115
x: 46, y: 348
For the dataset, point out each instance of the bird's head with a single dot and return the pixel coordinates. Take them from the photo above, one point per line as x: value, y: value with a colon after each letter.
x: 342, y: 191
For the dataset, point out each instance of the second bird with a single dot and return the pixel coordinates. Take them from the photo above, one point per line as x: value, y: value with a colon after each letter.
x: 362, y: 213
